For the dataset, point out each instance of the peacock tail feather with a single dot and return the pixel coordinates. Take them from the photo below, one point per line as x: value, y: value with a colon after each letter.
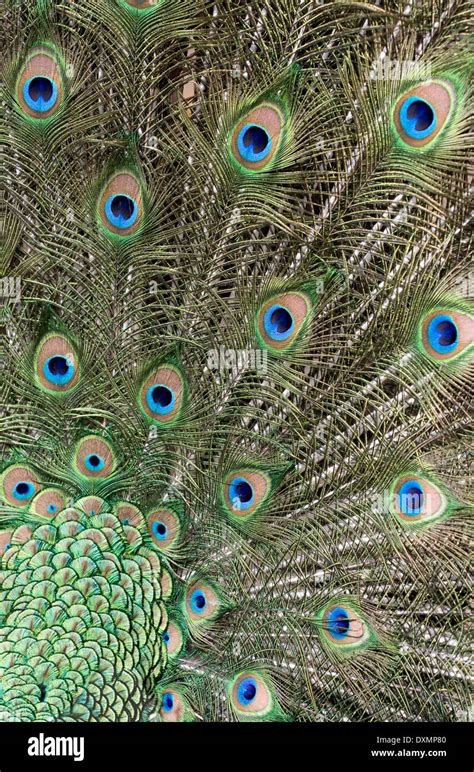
x: 237, y: 343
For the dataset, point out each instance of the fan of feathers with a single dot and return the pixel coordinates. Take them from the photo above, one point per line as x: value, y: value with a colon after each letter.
x: 236, y: 358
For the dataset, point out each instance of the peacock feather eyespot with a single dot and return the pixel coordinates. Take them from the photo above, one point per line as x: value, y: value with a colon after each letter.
x: 19, y: 485
x: 160, y: 399
x: 198, y: 602
x: 174, y: 706
x: 411, y: 498
x: 161, y: 396
x: 170, y: 707
x: 94, y: 462
x: 282, y: 319
x: 247, y: 691
x: 338, y: 623
x: 252, y: 697
x: 120, y: 207
x: 245, y: 491
x: 48, y: 502
x: 167, y: 703
x: 56, y: 366
x: 417, y: 117
x: 278, y: 322
x: 343, y: 627
x: 173, y: 639
x: 257, y: 137
x: 422, y: 112
x: 416, y: 500
x: 23, y: 490
x: 241, y: 493
x: 40, y: 84
x: 164, y: 527
x: 203, y: 602
x: 446, y: 334
x: 94, y: 458
x: 254, y: 143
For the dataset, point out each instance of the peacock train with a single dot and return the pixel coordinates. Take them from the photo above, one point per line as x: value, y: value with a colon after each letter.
x: 237, y: 357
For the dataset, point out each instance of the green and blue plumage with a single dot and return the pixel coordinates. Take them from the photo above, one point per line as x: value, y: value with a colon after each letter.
x: 236, y: 371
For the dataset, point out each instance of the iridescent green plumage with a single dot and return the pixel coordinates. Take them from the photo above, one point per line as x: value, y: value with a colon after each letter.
x: 81, y: 620
x: 236, y: 361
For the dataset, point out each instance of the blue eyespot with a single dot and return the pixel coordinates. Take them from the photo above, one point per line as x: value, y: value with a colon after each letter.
x: 241, y: 493
x: 443, y: 334
x: 160, y: 399
x: 166, y: 637
x: 40, y: 93
x: 338, y: 623
x: 411, y: 497
x: 417, y: 118
x: 198, y: 601
x: 254, y: 142
x: 52, y: 508
x: 247, y: 691
x: 167, y: 703
x: 121, y: 211
x: 94, y: 463
x: 58, y: 370
x: 159, y: 530
x: 23, y: 490
x: 278, y: 322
